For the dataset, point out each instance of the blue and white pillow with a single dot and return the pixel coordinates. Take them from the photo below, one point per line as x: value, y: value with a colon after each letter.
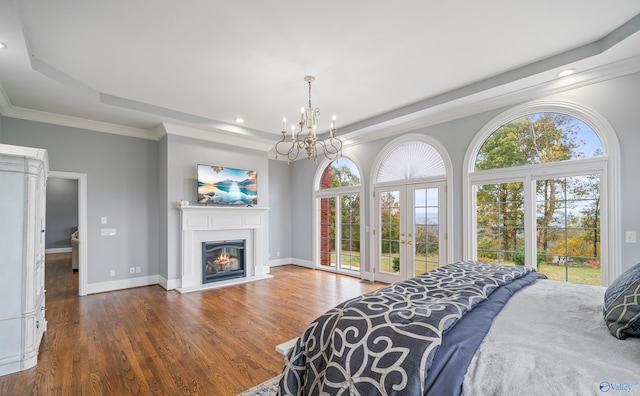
x: 622, y: 304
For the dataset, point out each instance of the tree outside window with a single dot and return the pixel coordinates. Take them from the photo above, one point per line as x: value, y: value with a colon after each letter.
x: 567, y: 208
x: 339, y: 216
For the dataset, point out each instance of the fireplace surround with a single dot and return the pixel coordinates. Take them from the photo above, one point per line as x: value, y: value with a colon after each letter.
x: 200, y: 224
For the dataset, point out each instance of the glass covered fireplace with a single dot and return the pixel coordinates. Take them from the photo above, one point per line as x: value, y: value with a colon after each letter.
x: 223, y: 260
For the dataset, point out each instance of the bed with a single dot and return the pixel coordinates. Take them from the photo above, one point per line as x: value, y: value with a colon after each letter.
x: 474, y: 328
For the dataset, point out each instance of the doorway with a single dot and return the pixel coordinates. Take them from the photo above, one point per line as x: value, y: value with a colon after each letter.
x: 411, y: 229
x: 411, y: 209
x: 82, y: 224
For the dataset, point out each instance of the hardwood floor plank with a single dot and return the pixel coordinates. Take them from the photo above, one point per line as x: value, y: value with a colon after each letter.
x: 147, y: 340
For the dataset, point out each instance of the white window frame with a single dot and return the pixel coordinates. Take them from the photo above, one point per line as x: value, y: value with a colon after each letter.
x: 336, y: 192
x: 447, y: 178
x: 607, y: 166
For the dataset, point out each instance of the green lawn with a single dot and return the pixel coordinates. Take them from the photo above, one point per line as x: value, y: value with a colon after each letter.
x: 423, y: 262
x: 350, y: 260
x: 573, y: 273
x: 576, y: 273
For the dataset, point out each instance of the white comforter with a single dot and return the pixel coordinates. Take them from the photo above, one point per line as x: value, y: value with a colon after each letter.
x: 551, y: 339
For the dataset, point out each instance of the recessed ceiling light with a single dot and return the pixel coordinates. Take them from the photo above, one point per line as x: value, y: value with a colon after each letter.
x: 567, y: 72
x: 240, y: 119
x: 2, y: 45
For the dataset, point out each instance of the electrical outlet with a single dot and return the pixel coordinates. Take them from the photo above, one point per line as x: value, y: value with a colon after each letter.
x: 132, y: 270
x: 277, y: 254
x: 112, y: 273
x: 630, y: 237
x: 138, y: 269
x: 108, y: 231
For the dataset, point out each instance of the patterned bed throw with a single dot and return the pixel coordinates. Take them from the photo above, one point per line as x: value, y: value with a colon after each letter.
x: 384, y: 342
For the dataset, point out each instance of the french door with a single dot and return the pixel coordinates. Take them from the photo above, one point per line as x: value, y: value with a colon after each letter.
x: 410, y: 230
x: 339, y: 231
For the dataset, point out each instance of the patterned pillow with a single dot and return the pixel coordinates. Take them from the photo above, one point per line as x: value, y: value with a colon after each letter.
x: 622, y: 304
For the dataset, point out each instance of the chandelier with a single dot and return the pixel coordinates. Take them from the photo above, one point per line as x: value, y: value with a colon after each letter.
x: 309, y: 142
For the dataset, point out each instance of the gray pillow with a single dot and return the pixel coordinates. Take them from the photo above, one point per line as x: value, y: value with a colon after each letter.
x: 622, y: 304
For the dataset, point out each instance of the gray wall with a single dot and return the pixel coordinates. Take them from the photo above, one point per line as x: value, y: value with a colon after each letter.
x: 62, y: 212
x: 280, y: 196
x: 302, y: 175
x: 122, y: 182
x: 616, y: 100
x: 164, y: 203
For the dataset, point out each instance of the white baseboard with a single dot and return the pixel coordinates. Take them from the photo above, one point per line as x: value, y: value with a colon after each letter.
x: 58, y: 250
x: 368, y: 276
x: 303, y: 263
x: 284, y: 261
x: 169, y: 284
x: 129, y: 283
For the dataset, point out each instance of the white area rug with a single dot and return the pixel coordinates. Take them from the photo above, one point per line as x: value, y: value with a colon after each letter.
x: 267, y: 388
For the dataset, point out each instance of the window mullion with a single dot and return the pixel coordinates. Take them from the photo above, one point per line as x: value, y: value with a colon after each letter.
x: 530, y: 243
x: 338, y: 226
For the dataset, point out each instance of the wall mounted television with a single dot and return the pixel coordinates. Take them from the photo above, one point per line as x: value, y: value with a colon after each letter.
x: 219, y: 185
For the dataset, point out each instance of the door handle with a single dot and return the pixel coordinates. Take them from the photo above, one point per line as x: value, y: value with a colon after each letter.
x: 402, y: 242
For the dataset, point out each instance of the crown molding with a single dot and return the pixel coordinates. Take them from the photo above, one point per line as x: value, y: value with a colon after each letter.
x: 217, y: 136
x: 5, y: 104
x: 73, y: 122
x: 479, y: 103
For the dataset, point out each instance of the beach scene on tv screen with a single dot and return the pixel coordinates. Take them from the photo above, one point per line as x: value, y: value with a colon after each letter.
x: 227, y: 186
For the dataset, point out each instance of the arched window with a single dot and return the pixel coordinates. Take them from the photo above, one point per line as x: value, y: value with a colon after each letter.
x: 410, y: 217
x: 538, y: 138
x: 538, y: 178
x: 411, y: 160
x: 338, y: 197
x: 341, y: 172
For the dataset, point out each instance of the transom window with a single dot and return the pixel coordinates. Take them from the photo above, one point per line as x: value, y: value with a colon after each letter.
x: 537, y: 139
x: 341, y: 172
x: 411, y: 160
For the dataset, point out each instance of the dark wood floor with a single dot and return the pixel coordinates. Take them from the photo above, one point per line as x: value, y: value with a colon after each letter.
x: 151, y: 341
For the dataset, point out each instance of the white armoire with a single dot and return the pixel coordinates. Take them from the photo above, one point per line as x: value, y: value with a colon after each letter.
x: 23, y: 175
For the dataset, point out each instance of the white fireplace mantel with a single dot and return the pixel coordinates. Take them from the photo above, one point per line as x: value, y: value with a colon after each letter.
x: 215, y: 223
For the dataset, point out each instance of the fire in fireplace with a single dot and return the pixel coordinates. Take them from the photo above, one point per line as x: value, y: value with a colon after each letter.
x: 223, y: 260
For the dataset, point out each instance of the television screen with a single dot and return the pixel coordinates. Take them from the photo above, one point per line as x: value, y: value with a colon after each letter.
x: 227, y: 186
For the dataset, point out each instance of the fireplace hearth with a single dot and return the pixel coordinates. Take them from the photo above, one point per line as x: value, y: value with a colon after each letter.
x: 222, y: 260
